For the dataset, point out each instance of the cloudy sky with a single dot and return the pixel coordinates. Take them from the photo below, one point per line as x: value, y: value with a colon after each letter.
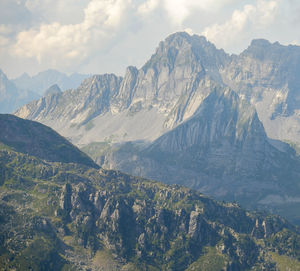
x: 99, y: 36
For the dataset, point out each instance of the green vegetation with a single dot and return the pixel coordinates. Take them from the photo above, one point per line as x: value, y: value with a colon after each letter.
x: 37, y: 140
x: 41, y: 254
x: 62, y: 216
x: 212, y: 260
x: 284, y: 262
x: 97, y: 149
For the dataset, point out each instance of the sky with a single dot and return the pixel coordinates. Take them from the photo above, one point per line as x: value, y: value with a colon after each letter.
x: 106, y: 36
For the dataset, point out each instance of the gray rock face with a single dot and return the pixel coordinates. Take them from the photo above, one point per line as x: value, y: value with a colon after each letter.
x: 267, y: 75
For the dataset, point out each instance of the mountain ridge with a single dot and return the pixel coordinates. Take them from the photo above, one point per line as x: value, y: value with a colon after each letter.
x: 45, y: 79
x: 35, y: 139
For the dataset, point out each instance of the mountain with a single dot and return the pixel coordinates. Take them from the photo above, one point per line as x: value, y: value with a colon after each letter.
x: 266, y: 74
x: 185, y: 117
x: 54, y: 89
x: 141, y: 106
x: 11, y: 97
x: 68, y: 216
x: 222, y: 151
x: 43, y: 80
x: 35, y: 139
x: 171, y: 85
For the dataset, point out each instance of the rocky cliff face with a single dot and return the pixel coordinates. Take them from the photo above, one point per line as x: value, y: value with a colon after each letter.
x: 267, y: 75
x: 58, y: 216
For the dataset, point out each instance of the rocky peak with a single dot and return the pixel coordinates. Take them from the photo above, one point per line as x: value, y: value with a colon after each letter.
x: 264, y: 50
x: 54, y: 89
x: 99, y: 82
x: 127, y: 88
x: 182, y: 49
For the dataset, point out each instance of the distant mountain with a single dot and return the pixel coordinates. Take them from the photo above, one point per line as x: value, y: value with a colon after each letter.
x: 11, y: 97
x: 35, y: 139
x: 43, y: 80
x: 68, y: 216
x: 190, y: 115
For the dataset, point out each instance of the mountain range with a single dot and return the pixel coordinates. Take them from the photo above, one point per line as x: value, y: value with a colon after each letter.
x: 196, y: 116
x: 45, y: 79
x: 24, y: 89
x: 11, y: 97
x: 72, y: 215
x: 168, y: 89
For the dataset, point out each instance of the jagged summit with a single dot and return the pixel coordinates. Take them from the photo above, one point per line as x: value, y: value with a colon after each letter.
x: 183, y: 49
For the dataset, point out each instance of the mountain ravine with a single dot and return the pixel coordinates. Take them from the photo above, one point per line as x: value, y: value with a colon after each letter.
x: 68, y: 216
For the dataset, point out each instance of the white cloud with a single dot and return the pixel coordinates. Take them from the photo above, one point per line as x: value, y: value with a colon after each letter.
x: 5, y: 29
x: 180, y: 10
x: 242, y: 23
x: 148, y: 6
x: 105, y: 35
x: 64, y: 45
x: 62, y: 11
x: 4, y: 42
x: 266, y: 12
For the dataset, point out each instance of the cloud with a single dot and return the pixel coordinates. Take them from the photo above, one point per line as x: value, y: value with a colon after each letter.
x: 62, y: 11
x: 5, y: 29
x: 242, y: 23
x: 148, y: 6
x: 180, y: 10
x: 64, y: 45
x: 105, y: 35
